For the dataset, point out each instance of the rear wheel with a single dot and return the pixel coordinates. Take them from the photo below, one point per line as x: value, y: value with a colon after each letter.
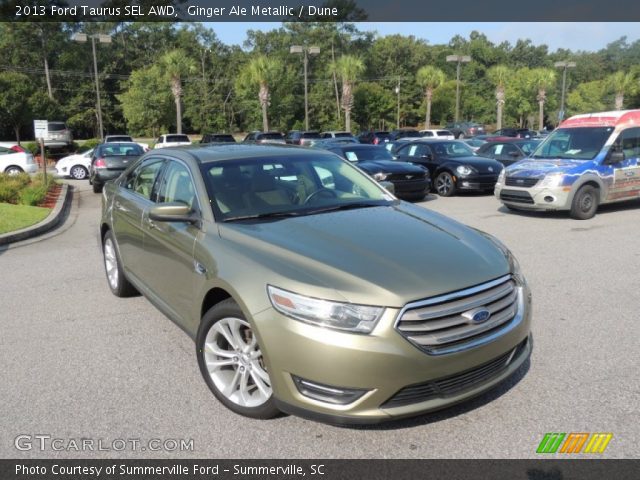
x: 585, y: 203
x: 445, y: 184
x: 118, y: 283
x: 232, y: 363
x: 78, y: 172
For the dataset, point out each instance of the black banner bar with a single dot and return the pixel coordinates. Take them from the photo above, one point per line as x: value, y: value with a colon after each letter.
x: 320, y: 10
x: 569, y: 469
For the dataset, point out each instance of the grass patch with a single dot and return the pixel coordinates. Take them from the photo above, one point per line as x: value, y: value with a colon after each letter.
x: 15, y: 217
x: 24, y: 189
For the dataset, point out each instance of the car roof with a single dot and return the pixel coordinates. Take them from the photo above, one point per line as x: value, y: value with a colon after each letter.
x: 206, y: 153
x: 603, y: 119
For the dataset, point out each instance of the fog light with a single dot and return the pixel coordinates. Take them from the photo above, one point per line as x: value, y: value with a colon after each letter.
x: 549, y: 199
x: 326, y: 393
x: 465, y: 184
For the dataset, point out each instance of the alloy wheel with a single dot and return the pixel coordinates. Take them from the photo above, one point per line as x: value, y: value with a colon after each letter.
x: 235, y: 363
x: 78, y: 172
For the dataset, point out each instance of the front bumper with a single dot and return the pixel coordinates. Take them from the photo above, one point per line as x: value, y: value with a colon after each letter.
x: 534, y: 198
x: 476, y: 182
x: 411, y: 188
x: 383, y: 363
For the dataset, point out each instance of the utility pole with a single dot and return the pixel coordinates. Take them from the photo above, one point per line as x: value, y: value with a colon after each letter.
x: 306, y: 51
x: 564, y: 65
x: 459, y: 59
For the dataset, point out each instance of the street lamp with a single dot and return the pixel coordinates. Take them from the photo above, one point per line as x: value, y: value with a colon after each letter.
x: 459, y: 59
x: 564, y: 66
x: 82, y: 37
x: 397, y: 89
x: 306, y: 51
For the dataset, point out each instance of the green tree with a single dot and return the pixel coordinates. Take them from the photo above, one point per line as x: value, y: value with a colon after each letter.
x: 499, y: 76
x: 261, y: 71
x: 348, y: 68
x: 621, y: 83
x: 374, y: 106
x: 429, y: 78
x: 15, y: 90
x: 587, y: 97
x: 542, y: 79
x: 176, y: 65
x: 146, y: 104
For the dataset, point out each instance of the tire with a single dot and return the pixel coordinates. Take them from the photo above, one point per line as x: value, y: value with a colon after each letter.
x: 445, y: 185
x: 226, y: 367
x: 97, y: 187
x: 116, y: 279
x: 585, y: 203
x: 13, y: 170
x: 78, y: 172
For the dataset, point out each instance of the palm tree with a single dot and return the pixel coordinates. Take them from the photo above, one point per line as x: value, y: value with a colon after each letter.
x: 499, y: 75
x: 349, y: 69
x: 262, y: 71
x: 176, y: 64
x: 622, y: 83
x: 541, y: 80
x: 429, y: 78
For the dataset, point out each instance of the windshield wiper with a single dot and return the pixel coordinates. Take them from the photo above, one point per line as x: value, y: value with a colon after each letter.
x: 344, y: 206
x: 265, y: 215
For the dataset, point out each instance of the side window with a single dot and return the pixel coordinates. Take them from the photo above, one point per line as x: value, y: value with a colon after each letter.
x: 510, y: 150
x: 142, y: 178
x: 177, y: 185
x: 629, y: 140
x: 160, y: 140
x: 497, y: 149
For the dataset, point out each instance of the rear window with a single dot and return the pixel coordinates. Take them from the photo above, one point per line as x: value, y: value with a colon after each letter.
x: 444, y: 133
x: 410, y: 133
x: 311, y: 135
x: 364, y: 154
x: 56, y: 126
x: 271, y: 136
x: 342, y: 134
x: 119, y: 138
x: 177, y: 138
x: 382, y: 134
x: 120, y: 150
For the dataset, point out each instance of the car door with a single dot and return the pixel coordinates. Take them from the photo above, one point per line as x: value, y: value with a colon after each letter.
x: 626, y: 174
x: 133, y: 196
x: 170, y: 271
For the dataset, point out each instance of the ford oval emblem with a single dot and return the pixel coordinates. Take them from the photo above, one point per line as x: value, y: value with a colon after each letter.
x: 477, y: 315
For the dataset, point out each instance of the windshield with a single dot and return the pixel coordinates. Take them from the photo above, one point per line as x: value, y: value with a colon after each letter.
x: 288, y: 186
x: 453, y: 149
x: 120, y: 149
x: 367, y: 154
x: 178, y: 138
x: 119, y: 138
x: 582, y: 143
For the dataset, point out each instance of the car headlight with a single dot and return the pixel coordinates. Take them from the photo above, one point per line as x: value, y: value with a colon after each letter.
x: 380, y: 176
x: 502, y: 175
x: 464, y: 170
x: 324, y: 313
x: 552, y: 180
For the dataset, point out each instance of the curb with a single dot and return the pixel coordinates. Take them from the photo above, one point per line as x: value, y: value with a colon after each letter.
x: 52, y: 221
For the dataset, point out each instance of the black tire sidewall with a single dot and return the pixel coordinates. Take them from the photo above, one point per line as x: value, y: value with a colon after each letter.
x: 225, y: 309
x: 576, y: 211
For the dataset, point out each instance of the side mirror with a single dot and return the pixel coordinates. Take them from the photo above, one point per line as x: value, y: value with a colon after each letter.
x: 173, y: 212
x: 615, y: 156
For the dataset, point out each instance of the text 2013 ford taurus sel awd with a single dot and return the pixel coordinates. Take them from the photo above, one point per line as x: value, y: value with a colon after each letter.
x: 310, y: 289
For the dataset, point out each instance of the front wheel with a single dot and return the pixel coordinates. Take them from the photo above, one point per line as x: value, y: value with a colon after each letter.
x: 585, y: 203
x: 13, y: 170
x: 232, y: 363
x: 445, y: 184
x: 78, y: 172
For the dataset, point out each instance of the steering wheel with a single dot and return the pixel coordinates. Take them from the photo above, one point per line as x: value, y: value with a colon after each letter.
x: 321, y: 191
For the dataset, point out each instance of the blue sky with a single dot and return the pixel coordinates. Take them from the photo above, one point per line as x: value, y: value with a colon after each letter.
x: 574, y: 36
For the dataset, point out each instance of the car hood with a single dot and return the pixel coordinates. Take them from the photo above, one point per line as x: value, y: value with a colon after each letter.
x: 393, y: 254
x: 388, y: 166
x: 538, y: 168
x: 481, y: 164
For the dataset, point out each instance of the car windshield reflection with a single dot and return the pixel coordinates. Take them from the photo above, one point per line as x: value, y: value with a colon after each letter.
x: 285, y: 187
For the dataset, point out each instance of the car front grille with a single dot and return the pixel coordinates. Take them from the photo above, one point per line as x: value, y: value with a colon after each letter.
x: 448, y: 323
x: 454, y: 384
x: 516, y: 196
x: 524, y: 182
x: 405, y: 177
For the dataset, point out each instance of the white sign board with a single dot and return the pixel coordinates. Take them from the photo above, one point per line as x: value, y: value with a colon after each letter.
x: 40, y: 127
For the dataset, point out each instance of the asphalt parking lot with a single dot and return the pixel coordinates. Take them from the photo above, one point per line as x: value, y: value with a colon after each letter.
x: 78, y: 362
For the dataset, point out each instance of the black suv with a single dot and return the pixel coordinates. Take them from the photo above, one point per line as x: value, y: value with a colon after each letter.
x: 404, y: 133
x: 465, y: 129
x: 299, y: 137
x: 217, y: 138
x: 374, y: 137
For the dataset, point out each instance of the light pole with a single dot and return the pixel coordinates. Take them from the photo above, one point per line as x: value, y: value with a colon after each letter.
x: 563, y: 66
x: 306, y: 51
x: 459, y: 59
x: 82, y: 37
x: 397, y: 89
